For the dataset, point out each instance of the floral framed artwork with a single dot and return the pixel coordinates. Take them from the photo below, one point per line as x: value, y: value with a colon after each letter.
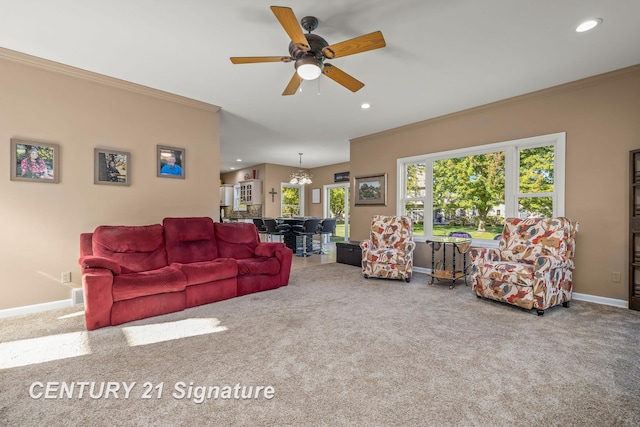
x: 35, y: 161
x: 111, y: 167
x: 170, y: 162
x: 371, y: 190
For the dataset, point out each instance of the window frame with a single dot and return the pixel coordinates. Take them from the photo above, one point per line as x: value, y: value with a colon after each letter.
x: 512, y: 178
x: 300, y: 192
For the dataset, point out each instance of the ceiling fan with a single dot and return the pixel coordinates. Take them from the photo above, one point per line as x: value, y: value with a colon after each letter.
x: 309, y: 51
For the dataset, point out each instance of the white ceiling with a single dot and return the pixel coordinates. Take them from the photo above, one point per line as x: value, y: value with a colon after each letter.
x: 441, y: 56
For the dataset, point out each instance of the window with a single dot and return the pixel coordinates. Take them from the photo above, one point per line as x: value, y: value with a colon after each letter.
x: 474, y: 189
x: 292, y: 200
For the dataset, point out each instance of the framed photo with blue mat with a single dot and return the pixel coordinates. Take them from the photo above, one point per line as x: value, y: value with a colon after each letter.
x: 171, y: 162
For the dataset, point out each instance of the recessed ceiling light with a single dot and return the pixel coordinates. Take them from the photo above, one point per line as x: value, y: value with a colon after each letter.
x: 588, y: 25
x: 238, y: 160
x: 232, y: 168
x: 365, y: 106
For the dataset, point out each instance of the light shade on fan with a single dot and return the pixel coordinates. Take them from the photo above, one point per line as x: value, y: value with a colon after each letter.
x: 308, y: 68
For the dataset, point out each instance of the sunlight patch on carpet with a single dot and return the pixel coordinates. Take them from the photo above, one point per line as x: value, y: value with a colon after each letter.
x: 43, y: 349
x: 149, y: 334
x: 70, y: 315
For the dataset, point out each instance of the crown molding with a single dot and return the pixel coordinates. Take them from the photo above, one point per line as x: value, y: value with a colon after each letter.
x: 45, y: 64
x: 550, y: 91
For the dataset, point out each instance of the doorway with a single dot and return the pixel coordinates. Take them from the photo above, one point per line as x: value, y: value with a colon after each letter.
x: 337, y: 200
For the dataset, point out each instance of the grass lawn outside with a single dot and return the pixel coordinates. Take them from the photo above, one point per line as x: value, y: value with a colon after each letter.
x: 438, y: 230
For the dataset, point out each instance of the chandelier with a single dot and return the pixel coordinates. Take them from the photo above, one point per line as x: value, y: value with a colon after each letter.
x: 300, y: 176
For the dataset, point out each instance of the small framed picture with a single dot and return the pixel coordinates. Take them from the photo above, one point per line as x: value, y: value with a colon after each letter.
x: 170, y: 162
x: 111, y: 167
x: 371, y: 190
x: 315, y: 195
x: 35, y: 161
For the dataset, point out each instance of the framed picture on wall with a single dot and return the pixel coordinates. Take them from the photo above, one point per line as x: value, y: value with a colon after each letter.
x: 111, y: 167
x: 371, y: 190
x: 170, y: 162
x: 315, y: 195
x: 34, y: 161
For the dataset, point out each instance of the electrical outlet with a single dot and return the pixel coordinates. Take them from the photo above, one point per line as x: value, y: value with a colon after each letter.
x: 616, y: 277
x: 66, y: 277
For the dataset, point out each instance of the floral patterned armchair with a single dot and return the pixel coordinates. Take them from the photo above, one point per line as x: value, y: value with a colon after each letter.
x: 532, y: 266
x: 389, y: 251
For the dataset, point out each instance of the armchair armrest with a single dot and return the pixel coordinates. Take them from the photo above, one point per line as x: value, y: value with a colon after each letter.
x: 366, y: 245
x: 546, y: 262
x: 408, y: 246
x: 268, y: 249
x: 92, y: 261
x: 480, y: 255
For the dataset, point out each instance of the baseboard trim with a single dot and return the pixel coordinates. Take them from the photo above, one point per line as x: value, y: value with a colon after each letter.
x: 35, y: 308
x: 600, y: 300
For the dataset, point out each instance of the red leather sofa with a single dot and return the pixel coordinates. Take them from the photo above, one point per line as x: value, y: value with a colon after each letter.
x: 134, y: 272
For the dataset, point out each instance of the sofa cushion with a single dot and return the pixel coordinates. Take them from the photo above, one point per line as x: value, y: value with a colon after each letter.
x: 236, y: 240
x: 190, y: 239
x: 159, y: 281
x: 135, y: 248
x: 258, y: 265
x: 208, y: 271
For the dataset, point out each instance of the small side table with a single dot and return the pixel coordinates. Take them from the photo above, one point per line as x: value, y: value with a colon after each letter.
x: 460, y: 245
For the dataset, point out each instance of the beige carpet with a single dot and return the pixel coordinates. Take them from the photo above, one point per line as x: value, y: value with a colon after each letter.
x: 337, y: 350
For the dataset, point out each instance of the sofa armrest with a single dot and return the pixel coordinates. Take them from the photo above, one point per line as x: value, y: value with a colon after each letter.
x: 92, y: 261
x: 268, y: 249
x: 97, y: 290
x: 546, y: 262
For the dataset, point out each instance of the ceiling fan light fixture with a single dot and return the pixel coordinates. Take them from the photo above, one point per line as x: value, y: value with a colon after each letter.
x: 308, y: 67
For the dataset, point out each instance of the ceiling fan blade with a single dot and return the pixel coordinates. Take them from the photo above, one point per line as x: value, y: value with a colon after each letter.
x: 359, y: 44
x: 290, y: 24
x: 340, y: 77
x: 256, y: 59
x: 293, y: 85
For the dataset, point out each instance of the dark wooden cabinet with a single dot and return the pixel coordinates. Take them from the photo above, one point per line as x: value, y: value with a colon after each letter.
x: 634, y: 231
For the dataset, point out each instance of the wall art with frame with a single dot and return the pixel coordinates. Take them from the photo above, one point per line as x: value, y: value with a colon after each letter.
x: 371, y: 190
x: 111, y: 167
x: 35, y: 161
x: 170, y: 162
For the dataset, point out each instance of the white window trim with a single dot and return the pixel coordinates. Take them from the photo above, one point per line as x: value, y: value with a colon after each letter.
x: 301, y: 187
x: 511, y: 149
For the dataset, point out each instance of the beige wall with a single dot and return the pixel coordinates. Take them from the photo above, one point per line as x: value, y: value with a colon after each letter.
x: 41, y: 223
x: 601, y: 117
x: 321, y: 177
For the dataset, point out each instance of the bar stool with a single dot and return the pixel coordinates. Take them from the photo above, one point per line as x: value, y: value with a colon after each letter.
x: 307, y: 229
x: 271, y: 229
x: 327, y: 227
